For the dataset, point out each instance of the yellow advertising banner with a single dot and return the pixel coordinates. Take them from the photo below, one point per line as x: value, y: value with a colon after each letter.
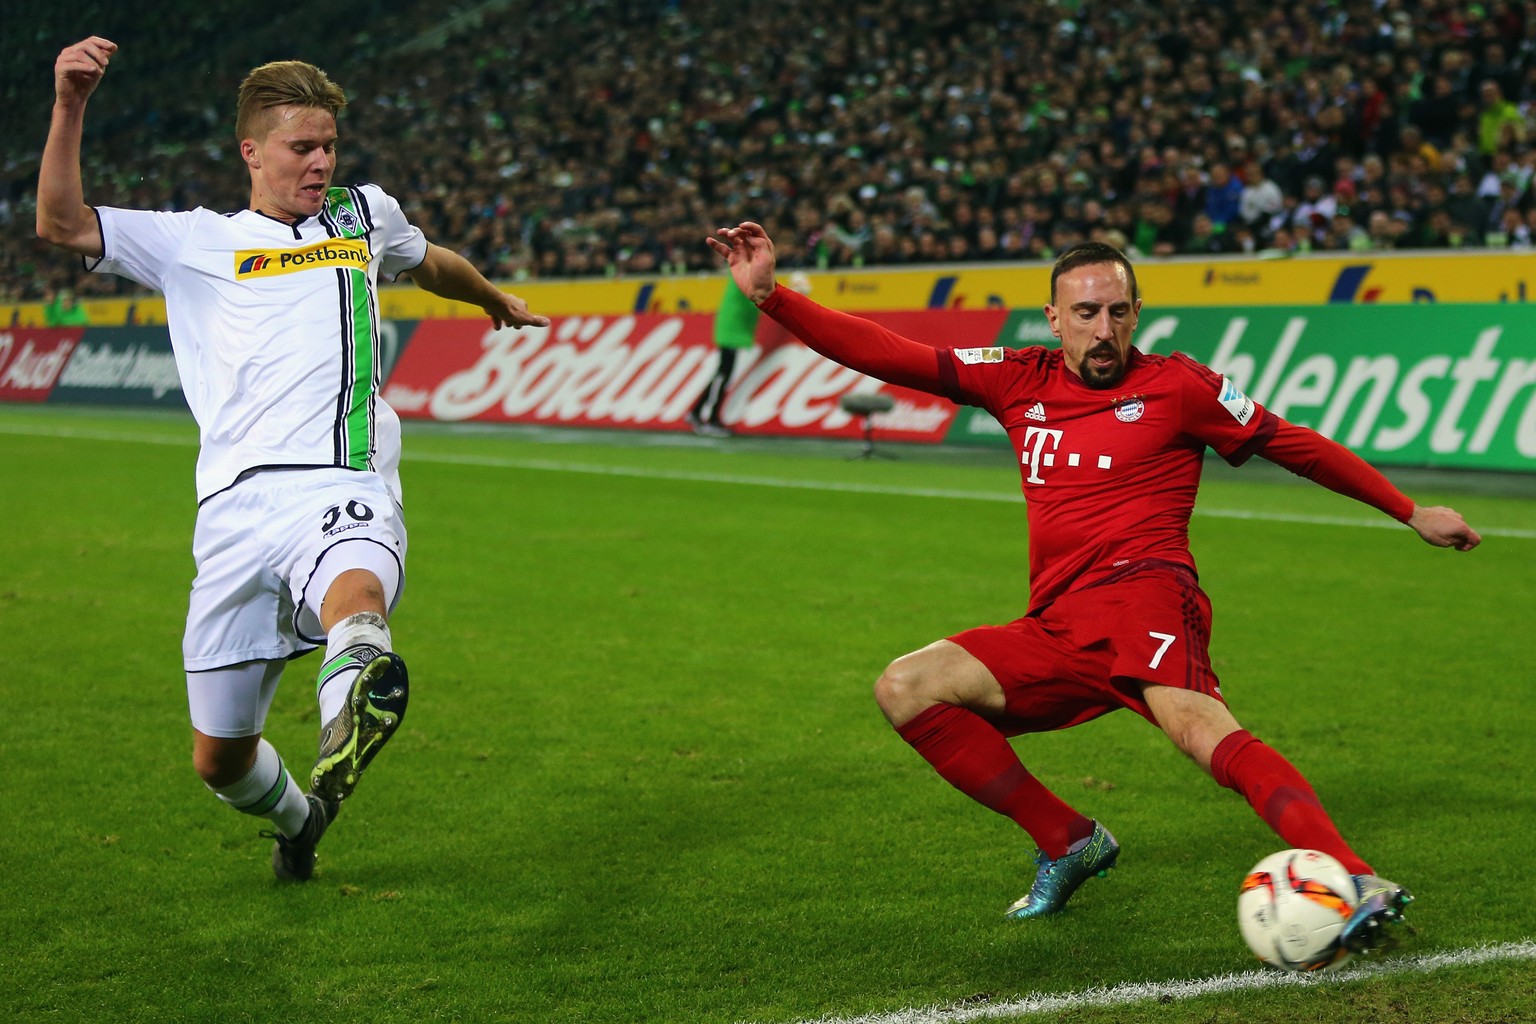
x: 1480, y: 277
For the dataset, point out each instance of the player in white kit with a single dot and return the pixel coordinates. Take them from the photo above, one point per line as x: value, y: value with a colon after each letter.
x: 300, y: 539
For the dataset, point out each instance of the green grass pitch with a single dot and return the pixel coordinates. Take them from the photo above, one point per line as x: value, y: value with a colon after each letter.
x: 643, y: 779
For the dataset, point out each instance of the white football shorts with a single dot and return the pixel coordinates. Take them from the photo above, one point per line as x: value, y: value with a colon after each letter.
x: 267, y: 549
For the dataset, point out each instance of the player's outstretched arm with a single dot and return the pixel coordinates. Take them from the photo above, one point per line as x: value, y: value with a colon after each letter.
x: 446, y: 273
x: 1443, y: 527
x: 62, y: 216
x: 1307, y: 453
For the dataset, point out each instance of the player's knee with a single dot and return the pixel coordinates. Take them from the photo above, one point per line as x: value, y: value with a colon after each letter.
x: 220, y: 765
x: 902, y: 690
x: 214, y: 771
x: 1196, y: 737
x: 354, y: 591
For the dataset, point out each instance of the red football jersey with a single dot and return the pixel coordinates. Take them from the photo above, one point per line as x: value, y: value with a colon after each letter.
x: 1110, y: 476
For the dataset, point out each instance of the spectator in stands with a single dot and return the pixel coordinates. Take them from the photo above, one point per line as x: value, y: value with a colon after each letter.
x: 1315, y: 211
x: 1261, y: 198
x: 1503, y: 210
x: 1344, y: 234
x: 1500, y: 125
x: 1440, y: 231
x: 60, y: 309
x: 1223, y: 195
x: 1205, y: 238
x: 1467, y: 208
x: 1381, y: 231
x: 1156, y: 233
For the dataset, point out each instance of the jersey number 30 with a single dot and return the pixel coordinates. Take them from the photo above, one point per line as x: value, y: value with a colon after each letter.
x: 360, y: 513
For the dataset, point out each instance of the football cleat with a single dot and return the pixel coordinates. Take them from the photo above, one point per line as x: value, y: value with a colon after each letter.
x: 1381, y: 904
x: 1056, y: 880
x: 349, y: 742
x: 293, y: 859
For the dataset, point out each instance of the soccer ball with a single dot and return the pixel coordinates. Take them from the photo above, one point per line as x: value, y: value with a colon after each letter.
x: 1292, y: 907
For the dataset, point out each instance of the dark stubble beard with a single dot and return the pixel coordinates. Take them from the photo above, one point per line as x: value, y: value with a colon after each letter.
x: 1101, y: 380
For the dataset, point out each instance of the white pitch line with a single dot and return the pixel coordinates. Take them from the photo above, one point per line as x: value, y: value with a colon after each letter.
x: 1144, y: 992
x: 1007, y: 497
x: 783, y: 483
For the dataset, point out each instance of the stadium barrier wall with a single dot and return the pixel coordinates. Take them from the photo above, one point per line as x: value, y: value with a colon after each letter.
x: 1427, y: 385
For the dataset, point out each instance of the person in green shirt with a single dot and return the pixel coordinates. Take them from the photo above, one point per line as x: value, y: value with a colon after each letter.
x: 1499, y: 123
x: 735, y: 329
x: 60, y: 309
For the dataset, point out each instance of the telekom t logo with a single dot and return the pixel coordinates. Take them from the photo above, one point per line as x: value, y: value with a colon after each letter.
x: 1040, y: 445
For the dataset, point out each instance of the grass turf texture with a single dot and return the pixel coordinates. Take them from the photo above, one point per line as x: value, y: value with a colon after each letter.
x: 643, y: 779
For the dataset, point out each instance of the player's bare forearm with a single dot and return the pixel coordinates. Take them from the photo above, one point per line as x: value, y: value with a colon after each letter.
x: 62, y: 216
x: 1443, y: 527
x: 446, y: 273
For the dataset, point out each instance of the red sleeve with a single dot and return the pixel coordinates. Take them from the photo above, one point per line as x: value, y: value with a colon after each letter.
x: 859, y: 344
x: 1217, y: 414
x: 1308, y: 453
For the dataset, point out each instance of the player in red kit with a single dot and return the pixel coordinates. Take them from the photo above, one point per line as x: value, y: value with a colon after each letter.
x: 1110, y: 443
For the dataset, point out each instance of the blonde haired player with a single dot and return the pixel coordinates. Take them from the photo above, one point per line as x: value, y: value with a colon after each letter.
x: 300, y: 539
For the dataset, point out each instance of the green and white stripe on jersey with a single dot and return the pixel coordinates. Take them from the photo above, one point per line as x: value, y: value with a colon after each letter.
x: 346, y: 215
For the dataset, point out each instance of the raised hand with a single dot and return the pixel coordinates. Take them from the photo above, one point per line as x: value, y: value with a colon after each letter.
x: 749, y: 251
x: 79, y: 68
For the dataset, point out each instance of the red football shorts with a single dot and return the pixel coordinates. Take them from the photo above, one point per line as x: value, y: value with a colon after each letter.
x: 1088, y: 653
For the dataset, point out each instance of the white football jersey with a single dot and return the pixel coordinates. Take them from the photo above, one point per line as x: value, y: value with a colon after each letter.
x: 275, y: 327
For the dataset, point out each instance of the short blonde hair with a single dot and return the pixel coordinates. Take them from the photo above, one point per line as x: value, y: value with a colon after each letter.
x: 283, y: 83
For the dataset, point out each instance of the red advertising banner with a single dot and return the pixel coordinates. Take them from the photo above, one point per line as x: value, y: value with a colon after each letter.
x: 31, y: 359
x: 645, y: 371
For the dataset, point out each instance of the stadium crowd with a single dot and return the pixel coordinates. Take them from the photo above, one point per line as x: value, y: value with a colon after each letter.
x: 597, y: 137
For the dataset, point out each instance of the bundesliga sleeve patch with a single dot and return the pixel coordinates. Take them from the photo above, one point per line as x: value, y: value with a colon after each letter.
x: 972, y: 356
x: 1238, y: 404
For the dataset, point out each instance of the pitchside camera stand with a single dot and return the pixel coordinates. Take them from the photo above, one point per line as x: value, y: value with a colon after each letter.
x: 866, y: 406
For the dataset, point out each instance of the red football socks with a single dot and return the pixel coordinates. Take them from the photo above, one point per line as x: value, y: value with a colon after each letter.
x: 978, y: 760
x: 1281, y: 796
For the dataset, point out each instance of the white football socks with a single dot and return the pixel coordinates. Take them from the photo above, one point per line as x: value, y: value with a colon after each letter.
x: 268, y: 791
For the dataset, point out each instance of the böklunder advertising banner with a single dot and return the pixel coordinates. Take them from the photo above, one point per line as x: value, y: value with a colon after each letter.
x: 645, y: 371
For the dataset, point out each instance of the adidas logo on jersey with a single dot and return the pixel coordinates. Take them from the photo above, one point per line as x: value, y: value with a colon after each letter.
x: 1035, y: 412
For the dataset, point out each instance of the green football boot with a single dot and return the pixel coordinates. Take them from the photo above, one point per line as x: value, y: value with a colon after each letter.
x: 1381, y: 904
x: 374, y: 709
x: 1058, y: 879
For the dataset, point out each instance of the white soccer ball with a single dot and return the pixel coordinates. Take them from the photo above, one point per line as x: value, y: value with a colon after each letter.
x: 1292, y: 907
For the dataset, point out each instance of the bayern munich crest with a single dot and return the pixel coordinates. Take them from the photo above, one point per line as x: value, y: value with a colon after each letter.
x: 1130, y: 410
